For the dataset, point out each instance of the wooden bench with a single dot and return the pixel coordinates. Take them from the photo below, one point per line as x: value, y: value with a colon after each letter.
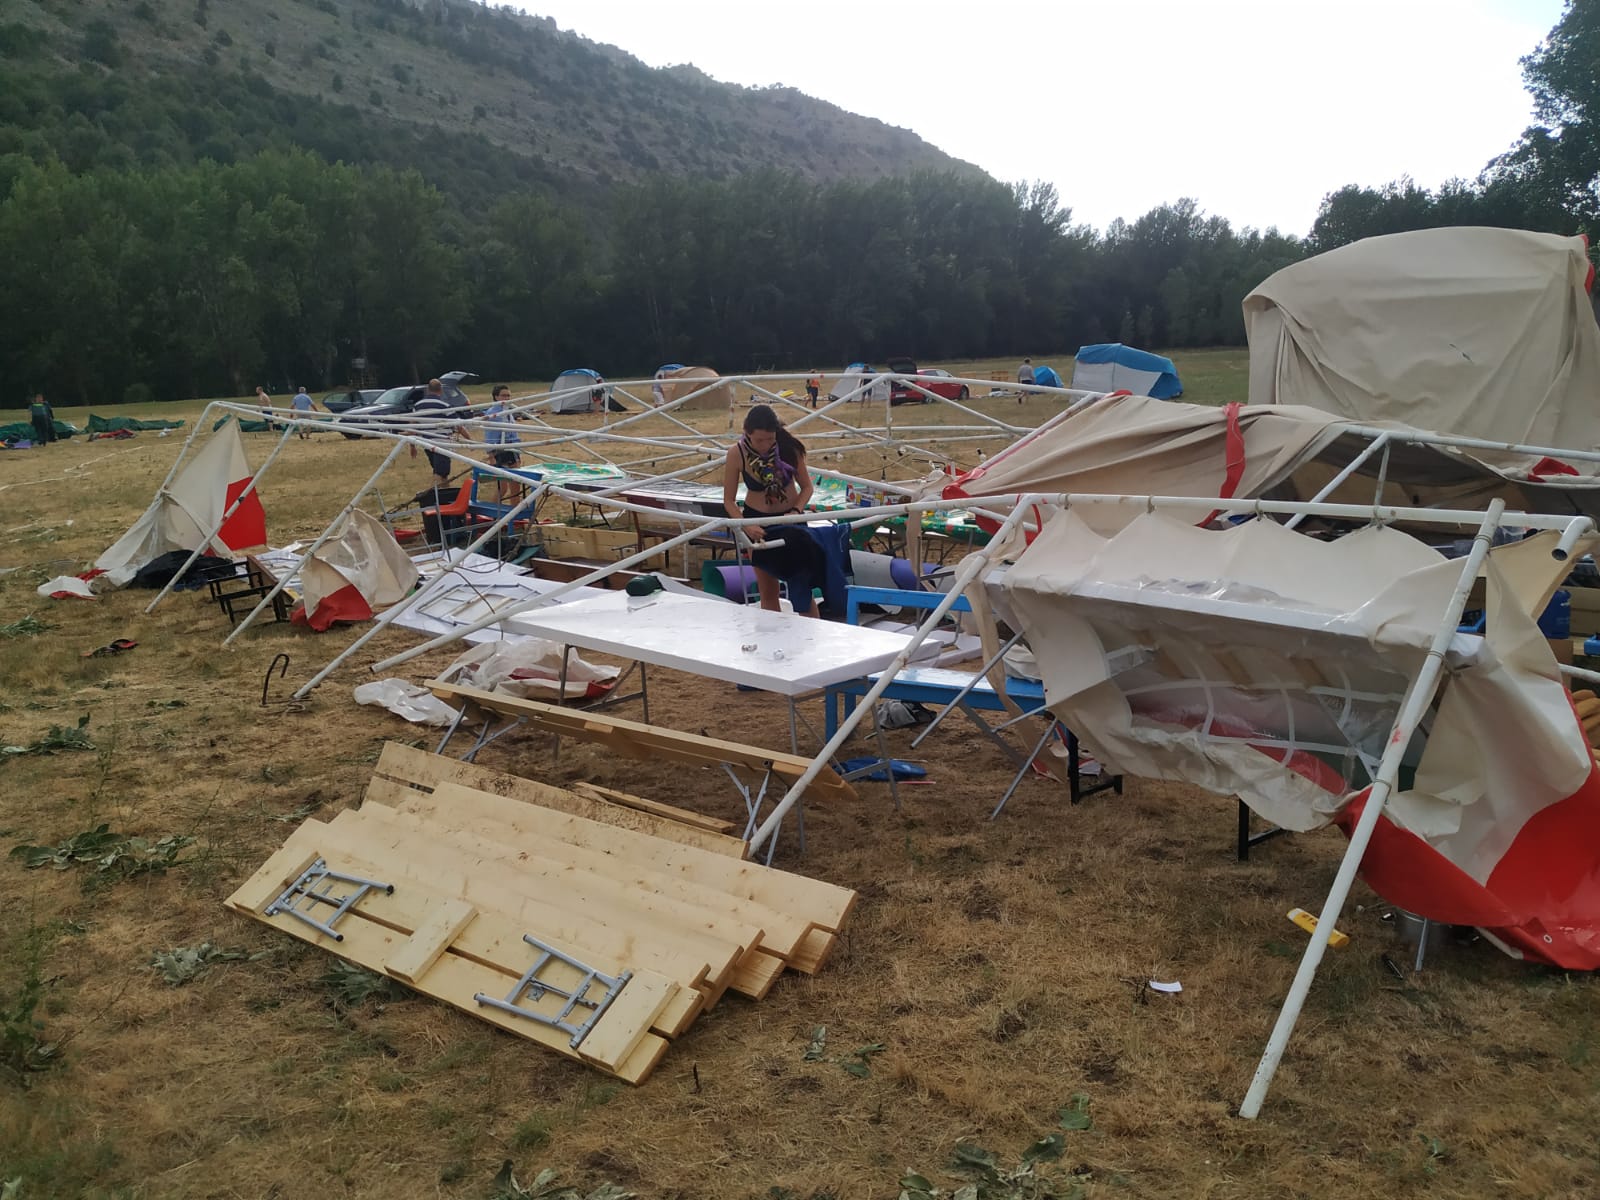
x: 638, y: 740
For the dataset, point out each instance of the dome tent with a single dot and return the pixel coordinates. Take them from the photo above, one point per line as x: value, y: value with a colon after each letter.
x: 1113, y: 367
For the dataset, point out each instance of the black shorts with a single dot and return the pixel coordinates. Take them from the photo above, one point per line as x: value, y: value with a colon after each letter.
x: 507, y: 458
x: 439, y: 462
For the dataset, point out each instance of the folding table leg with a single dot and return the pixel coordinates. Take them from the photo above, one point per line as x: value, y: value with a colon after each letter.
x: 888, y: 762
x: 1038, y: 747
x: 451, y: 731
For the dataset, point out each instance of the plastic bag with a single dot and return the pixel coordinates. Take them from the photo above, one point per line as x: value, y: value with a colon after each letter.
x: 416, y: 704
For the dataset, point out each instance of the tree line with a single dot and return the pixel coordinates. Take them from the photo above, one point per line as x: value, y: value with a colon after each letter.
x: 179, y: 279
x: 201, y: 279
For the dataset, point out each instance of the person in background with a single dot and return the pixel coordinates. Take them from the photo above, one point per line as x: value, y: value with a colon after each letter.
x: 813, y: 386
x: 500, y: 442
x: 435, y: 407
x: 44, y: 420
x: 302, y: 405
x: 772, y: 463
x: 1024, y: 375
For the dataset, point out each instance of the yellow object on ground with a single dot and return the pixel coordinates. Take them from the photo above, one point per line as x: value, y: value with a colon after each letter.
x: 1309, y: 923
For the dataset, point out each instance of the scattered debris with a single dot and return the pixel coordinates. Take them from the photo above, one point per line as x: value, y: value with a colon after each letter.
x: 1169, y: 989
x: 120, y: 646
x: 352, y: 986
x: 111, y: 853
x: 59, y: 737
x: 183, y: 964
x: 28, y: 626
x: 544, y: 1187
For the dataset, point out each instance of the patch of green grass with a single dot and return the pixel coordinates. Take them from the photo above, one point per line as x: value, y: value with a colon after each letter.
x: 531, y: 1133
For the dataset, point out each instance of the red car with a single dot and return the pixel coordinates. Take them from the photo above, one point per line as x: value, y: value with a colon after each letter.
x: 936, y: 381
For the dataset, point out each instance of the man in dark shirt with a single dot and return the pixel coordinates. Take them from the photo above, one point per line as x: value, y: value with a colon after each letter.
x: 435, y: 407
x: 44, y: 420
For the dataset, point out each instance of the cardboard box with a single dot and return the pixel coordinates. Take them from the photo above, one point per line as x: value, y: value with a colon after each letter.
x: 1585, y: 611
x: 592, y: 542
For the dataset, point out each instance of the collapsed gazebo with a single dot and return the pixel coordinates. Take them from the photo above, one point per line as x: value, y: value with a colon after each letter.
x: 1255, y: 659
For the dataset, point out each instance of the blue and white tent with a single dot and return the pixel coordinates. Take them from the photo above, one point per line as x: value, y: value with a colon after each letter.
x: 581, y: 385
x: 1113, y: 367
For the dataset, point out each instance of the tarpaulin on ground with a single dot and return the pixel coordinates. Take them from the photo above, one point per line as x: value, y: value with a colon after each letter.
x: 23, y: 431
x: 113, y: 424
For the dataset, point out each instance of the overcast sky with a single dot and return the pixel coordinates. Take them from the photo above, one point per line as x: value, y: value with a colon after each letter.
x: 1256, y: 108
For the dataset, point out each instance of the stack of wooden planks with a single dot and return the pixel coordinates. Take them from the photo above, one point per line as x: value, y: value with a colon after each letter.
x: 480, y: 861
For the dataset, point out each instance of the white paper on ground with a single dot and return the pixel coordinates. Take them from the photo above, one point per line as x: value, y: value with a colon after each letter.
x: 1170, y: 988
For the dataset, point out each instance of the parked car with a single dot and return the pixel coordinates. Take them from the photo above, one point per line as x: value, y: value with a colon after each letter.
x: 348, y: 398
x: 399, y: 401
x: 936, y: 381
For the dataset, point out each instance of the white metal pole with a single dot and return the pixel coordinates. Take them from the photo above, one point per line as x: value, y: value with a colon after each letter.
x: 315, y: 546
x: 249, y: 490
x: 1333, y: 484
x: 1416, y: 703
x: 969, y: 569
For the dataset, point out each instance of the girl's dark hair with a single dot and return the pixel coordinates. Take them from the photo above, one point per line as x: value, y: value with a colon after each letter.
x: 790, y: 448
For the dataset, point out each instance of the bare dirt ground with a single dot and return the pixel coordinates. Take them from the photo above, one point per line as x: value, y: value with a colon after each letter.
x: 1001, y: 966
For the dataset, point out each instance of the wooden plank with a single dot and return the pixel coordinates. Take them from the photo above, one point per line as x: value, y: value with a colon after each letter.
x: 645, y: 740
x: 815, y: 950
x: 600, y: 895
x: 388, y: 791
x: 757, y: 972
x: 370, y: 939
x: 430, y: 939
x: 493, y: 887
x: 822, y: 904
x: 270, y: 879
x: 419, y: 770
x: 625, y: 1023
x: 778, y: 932
x: 671, y: 812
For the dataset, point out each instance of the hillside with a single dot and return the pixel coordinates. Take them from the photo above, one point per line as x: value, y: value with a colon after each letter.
x: 477, y: 97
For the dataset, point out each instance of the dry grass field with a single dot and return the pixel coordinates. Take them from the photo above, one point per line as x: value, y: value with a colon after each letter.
x: 999, y: 966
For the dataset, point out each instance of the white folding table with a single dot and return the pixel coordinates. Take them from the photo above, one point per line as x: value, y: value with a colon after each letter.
x: 777, y: 652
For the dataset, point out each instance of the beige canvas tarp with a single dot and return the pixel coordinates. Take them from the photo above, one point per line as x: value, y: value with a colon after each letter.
x: 1133, y: 445
x: 1141, y: 446
x: 688, y: 381
x: 1472, y: 332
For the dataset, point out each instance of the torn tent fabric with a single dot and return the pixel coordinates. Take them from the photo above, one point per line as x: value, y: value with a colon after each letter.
x: 184, y: 513
x: 1262, y: 663
x: 352, y: 576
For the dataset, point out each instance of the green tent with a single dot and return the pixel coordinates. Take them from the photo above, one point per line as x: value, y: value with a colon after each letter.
x: 23, y: 431
x: 114, y: 424
x: 244, y: 426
